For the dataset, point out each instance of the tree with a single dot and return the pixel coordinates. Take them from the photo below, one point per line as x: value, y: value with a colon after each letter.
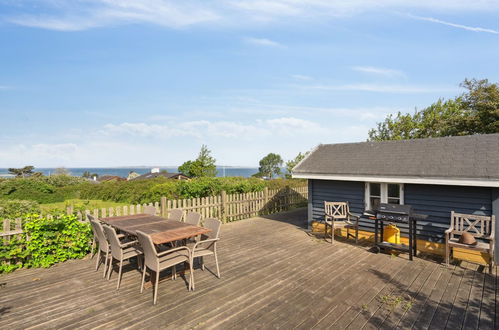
x: 270, y: 165
x: 203, y: 166
x: 89, y: 175
x: 290, y: 164
x: 476, y: 111
x: 22, y: 172
x: 61, y: 171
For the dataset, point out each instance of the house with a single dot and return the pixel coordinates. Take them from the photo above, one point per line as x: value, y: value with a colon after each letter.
x: 132, y: 175
x: 156, y: 174
x: 434, y: 176
x: 106, y: 178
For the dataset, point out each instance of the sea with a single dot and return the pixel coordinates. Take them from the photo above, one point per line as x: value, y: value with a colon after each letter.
x: 222, y: 171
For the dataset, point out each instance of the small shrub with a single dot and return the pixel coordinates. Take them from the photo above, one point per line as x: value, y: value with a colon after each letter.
x: 50, y: 241
x: 11, y: 209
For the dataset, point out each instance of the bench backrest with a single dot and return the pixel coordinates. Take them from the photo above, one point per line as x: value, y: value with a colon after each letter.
x: 481, y: 226
x: 336, y: 210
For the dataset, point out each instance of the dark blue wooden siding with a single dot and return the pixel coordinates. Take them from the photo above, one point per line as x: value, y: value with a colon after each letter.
x: 436, y: 201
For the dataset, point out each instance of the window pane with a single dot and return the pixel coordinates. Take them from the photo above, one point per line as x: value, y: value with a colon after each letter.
x: 393, y: 200
x: 375, y: 203
x: 375, y: 189
x: 393, y: 190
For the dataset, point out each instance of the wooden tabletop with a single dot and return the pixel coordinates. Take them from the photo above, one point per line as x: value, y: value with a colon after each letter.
x: 160, y: 229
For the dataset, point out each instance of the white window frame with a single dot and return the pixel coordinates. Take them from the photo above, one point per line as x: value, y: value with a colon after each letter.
x: 383, y: 191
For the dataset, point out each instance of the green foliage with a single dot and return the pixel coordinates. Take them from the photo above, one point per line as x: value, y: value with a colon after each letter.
x: 49, y: 189
x: 474, y: 112
x: 50, y: 241
x: 11, y: 209
x: 22, y: 172
x: 270, y: 165
x: 88, y: 175
x: 290, y: 164
x: 203, y: 166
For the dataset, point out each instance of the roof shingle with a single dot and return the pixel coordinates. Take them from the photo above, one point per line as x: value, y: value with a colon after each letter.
x: 459, y: 157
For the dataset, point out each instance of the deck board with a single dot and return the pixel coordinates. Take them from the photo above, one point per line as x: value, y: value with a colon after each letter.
x: 274, y: 275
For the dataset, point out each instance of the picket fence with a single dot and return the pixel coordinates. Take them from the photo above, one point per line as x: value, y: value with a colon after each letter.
x: 226, y: 207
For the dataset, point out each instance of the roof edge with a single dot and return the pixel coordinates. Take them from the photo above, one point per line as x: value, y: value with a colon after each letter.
x: 401, y: 179
x: 308, y: 155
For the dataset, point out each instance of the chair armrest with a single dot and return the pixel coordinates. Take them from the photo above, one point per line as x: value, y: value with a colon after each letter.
x: 448, y: 231
x: 205, y: 241
x: 173, y: 250
x: 121, y: 235
x: 127, y: 244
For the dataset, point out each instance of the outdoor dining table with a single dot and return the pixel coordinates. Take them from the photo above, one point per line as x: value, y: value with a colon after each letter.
x: 161, y: 230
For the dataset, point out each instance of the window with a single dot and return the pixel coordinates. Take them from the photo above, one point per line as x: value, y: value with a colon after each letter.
x: 377, y: 193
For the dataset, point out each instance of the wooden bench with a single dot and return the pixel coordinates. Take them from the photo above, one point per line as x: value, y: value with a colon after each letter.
x: 480, y: 226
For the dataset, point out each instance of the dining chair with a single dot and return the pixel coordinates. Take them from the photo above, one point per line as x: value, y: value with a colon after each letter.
x: 176, y: 214
x: 193, y: 218
x: 207, y: 245
x: 157, y: 261
x: 104, y: 248
x: 120, y: 251
x: 149, y: 209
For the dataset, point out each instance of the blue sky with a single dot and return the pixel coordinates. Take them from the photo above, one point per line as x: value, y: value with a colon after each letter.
x: 122, y: 82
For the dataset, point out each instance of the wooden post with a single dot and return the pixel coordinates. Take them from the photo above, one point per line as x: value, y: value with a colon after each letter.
x: 163, y: 207
x: 265, y: 200
x: 224, y: 204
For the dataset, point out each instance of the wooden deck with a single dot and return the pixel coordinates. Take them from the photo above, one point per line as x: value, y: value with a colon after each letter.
x: 274, y: 275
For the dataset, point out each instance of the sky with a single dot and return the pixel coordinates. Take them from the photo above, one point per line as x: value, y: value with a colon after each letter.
x: 87, y: 83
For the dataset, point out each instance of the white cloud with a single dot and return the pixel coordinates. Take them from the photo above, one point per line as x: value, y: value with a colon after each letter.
x: 378, y: 88
x: 81, y: 15
x: 459, y: 26
x: 263, y: 42
x: 59, y: 153
x: 301, y: 77
x: 203, y: 129
x: 379, y: 71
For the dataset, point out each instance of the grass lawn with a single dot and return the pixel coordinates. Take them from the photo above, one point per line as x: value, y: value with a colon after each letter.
x: 79, y: 204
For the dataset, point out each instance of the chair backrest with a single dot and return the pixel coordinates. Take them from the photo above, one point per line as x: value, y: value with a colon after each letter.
x: 149, y: 209
x: 99, y: 235
x: 114, y: 241
x: 193, y: 218
x: 176, y: 214
x: 150, y: 253
x: 336, y: 210
x: 480, y: 226
x: 214, y: 225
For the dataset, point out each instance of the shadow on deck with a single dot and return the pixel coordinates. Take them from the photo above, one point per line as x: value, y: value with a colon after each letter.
x: 273, y: 275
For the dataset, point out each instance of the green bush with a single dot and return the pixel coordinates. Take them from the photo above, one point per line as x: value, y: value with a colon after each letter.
x: 51, y: 189
x: 11, y: 209
x: 59, y: 188
x: 50, y: 241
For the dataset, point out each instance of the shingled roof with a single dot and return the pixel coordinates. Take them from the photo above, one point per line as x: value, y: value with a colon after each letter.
x: 471, y: 158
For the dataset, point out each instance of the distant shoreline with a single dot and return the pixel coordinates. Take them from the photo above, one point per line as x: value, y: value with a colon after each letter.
x: 123, y: 171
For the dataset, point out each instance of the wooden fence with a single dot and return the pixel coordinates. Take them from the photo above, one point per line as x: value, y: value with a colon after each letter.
x: 227, y: 207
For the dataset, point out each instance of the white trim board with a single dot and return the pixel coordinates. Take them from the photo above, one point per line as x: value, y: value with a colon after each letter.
x: 414, y: 180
